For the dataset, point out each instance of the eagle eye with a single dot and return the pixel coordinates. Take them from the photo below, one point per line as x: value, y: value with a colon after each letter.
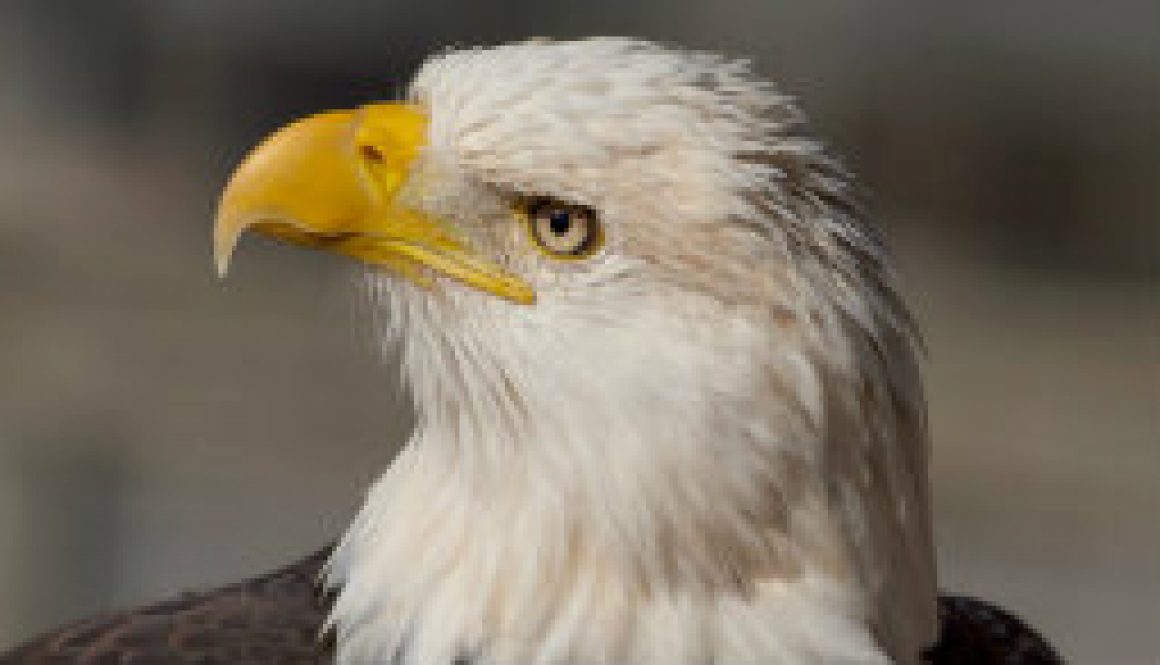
x: 563, y: 230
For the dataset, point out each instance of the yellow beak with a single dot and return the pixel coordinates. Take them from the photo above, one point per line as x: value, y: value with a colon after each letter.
x: 332, y: 181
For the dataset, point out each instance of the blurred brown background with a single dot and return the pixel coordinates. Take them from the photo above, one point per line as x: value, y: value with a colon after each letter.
x: 160, y: 430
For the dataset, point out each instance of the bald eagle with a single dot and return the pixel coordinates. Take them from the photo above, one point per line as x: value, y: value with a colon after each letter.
x: 669, y: 408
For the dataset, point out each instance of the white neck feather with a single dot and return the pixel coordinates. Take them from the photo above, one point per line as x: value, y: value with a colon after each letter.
x: 671, y: 504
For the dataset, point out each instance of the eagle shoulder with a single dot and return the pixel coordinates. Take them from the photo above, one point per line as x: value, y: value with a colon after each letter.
x: 974, y: 632
x: 276, y: 618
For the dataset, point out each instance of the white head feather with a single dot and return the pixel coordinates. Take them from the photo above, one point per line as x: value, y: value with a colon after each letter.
x: 705, y: 444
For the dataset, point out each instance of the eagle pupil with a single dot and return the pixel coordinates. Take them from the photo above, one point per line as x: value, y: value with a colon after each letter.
x: 560, y: 221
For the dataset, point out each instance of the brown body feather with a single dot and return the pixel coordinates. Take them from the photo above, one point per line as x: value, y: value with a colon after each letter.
x: 277, y: 620
x: 977, y: 633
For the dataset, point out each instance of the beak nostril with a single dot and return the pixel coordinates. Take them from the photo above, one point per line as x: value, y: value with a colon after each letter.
x: 371, y: 154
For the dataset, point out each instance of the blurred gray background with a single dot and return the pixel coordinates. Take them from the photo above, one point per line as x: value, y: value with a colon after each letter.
x: 160, y: 430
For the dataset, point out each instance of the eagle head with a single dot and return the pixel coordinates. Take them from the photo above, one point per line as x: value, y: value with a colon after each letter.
x: 668, y: 409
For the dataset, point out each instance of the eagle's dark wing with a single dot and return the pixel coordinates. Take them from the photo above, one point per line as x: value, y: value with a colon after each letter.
x: 978, y: 633
x: 277, y: 620
x: 271, y: 620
